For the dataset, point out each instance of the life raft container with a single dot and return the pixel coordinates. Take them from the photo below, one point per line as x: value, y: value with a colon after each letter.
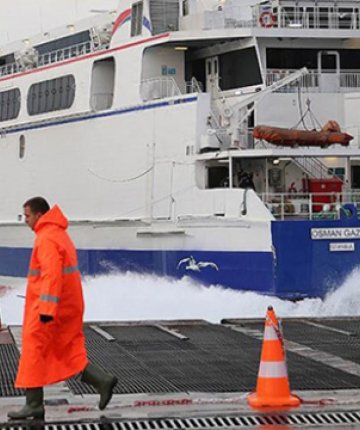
x: 290, y: 137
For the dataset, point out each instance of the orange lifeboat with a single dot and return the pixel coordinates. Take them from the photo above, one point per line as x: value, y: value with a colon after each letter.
x: 330, y: 134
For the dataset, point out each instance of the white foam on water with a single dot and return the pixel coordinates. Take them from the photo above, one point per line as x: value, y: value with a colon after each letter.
x: 129, y: 296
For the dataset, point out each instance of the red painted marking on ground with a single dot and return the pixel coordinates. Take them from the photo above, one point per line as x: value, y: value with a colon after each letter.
x: 164, y: 402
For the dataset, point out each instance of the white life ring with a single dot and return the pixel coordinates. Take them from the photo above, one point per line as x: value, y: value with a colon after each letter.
x: 267, y: 19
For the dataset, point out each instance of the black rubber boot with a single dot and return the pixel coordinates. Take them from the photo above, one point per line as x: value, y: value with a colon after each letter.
x: 103, y: 382
x: 34, y: 407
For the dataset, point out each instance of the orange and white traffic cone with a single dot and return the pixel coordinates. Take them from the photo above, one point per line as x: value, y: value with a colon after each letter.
x: 272, y: 388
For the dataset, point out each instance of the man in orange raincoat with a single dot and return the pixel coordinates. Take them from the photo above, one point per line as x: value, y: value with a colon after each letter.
x: 53, y: 343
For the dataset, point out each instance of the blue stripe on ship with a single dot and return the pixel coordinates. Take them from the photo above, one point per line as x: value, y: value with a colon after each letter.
x: 123, y: 111
x: 302, y: 268
x: 238, y: 270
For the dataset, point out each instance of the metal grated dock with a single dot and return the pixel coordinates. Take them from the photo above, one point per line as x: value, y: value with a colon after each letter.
x: 9, y: 357
x: 320, y: 419
x: 213, y: 359
x: 333, y: 336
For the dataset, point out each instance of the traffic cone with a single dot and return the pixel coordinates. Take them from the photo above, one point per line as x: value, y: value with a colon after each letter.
x: 272, y: 388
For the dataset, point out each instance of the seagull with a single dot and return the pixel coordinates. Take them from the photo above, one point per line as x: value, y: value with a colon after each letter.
x: 192, y: 264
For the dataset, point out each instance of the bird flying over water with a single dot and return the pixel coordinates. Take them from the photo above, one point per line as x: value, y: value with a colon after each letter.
x: 191, y: 264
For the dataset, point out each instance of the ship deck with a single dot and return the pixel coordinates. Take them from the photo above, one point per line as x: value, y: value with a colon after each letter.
x: 196, y: 375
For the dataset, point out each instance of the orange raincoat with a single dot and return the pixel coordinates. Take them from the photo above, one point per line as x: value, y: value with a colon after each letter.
x: 53, y: 351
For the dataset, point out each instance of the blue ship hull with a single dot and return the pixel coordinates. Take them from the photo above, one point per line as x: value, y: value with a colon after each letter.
x: 298, y: 267
x: 305, y: 267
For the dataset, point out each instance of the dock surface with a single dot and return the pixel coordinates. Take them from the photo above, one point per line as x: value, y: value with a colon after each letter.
x: 193, y: 374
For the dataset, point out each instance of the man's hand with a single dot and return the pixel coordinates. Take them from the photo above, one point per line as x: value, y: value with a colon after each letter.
x: 45, y: 318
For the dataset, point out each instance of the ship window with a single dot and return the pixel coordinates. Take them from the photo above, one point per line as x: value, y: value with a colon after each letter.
x: 239, y: 69
x: 292, y: 58
x: 7, y: 59
x: 164, y: 16
x: 185, y: 7
x: 218, y: 177
x: 337, y: 171
x: 136, y: 18
x: 102, y: 84
x: 63, y: 42
x: 51, y: 95
x: 22, y: 146
x: 9, y: 104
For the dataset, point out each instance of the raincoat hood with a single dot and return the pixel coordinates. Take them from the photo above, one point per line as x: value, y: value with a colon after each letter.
x: 53, y: 216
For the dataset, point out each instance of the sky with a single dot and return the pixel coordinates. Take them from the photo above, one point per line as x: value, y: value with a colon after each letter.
x: 20, y: 19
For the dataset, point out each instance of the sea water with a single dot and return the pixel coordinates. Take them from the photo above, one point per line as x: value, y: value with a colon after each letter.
x: 129, y: 296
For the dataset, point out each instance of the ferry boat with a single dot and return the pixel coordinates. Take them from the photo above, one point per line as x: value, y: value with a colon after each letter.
x: 139, y: 125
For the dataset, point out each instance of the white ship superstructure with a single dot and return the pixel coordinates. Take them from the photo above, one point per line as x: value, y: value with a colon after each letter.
x: 138, y: 124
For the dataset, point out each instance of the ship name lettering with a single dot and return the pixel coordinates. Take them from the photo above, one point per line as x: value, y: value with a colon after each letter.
x: 335, y: 233
x: 326, y: 233
x: 352, y: 232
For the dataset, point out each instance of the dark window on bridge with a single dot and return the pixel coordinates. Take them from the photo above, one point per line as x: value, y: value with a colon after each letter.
x: 239, y: 69
x: 63, y: 42
x: 7, y: 59
x: 136, y: 18
x: 185, y: 7
x: 283, y: 58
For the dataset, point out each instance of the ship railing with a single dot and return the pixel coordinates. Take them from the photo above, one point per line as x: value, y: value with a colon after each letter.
x: 311, y: 206
x: 314, y: 17
x: 159, y: 88
x: 66, y: 53
x: 292, y: 17
x: 313, y: 167
x: 214, y: 119
x: 194, y: 86
x: 10, y: 69
x: 325, y: 82
x: 50, y: 57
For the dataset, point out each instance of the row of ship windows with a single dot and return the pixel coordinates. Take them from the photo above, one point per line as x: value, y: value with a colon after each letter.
x: 46, y: 96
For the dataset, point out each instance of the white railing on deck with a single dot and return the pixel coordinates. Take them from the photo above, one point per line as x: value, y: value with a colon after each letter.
x: 327, y: 81
x: 313, y: 167
x: 158, y: 88
x: 194, y: 86
x: 66, y: 53
x: 163, y: 87
x: 10, y: 69
x: 292, y: 17
x: 300, y: 206
x: 315, y: 17
x: 51, y: 57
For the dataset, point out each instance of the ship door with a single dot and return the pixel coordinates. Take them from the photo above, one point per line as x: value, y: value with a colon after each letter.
x: 355, y: 177
x: 329, y: 70
x: 212, y: 74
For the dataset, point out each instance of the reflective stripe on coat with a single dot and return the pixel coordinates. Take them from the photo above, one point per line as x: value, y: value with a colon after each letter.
x: 54, y: 351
